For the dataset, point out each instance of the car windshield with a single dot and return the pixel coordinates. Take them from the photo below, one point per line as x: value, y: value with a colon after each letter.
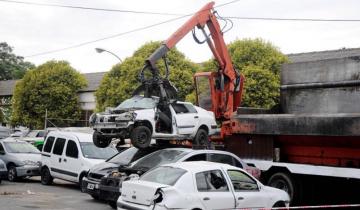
x: 91, y: 151
x: 163, y: 175
x: 137, y: 102
x: 159, y: 158
x: 124, y: 157
x: 20, y: 147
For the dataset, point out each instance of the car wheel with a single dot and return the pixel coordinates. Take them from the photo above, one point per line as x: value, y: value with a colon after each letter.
x: 113, y: 204
x: 279, y: 204
x: 284, y: 181
x: 201, y: 138
x: 100, y: 140
x: 141, y: 137
x: 12, y: 175
x: 46, y: 178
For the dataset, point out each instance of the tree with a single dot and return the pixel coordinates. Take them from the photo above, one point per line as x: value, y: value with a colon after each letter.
x: 54, y: 86
x: 11, y: 65
x: 121, y: 81
x: 260, y: 62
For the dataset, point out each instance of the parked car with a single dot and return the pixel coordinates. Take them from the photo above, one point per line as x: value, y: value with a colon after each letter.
x: 35, y: 137
x: 3, y: 170
x: 141, y: 119
x: 90, y: 183
x: 21, y: 158
x: 110, y: 185
x: 69, y: 155
x: 199, y: 185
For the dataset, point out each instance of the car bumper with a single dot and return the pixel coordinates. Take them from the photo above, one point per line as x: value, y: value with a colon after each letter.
x: 133, y: 206
x: 3, y: 174
x: 91, y: 187
x: 28, y: 171
x: 109, y: 193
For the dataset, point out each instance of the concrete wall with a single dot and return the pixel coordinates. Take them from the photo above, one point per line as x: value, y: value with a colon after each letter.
x: 325, y: 86
x: 87, y: 100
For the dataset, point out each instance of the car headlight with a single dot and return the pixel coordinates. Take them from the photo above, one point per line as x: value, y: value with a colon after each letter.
x: 2, y: 166
x: 92, y: 119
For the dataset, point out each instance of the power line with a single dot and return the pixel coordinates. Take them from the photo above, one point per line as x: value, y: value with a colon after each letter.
x: 178, y: 14
x: 294, y: 19
x: 91, y: 8
x: 119, y: 34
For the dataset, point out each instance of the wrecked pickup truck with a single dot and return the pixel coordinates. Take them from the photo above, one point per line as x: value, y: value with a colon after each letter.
x: 140, y: 119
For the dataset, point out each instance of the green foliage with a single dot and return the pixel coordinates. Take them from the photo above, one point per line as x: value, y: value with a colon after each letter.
x: 11, y: 66
x: 260, y: 62
x: 121, y: 81
x: 52, y: 86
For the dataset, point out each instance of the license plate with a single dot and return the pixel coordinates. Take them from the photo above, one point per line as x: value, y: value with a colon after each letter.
x: 90, y: 186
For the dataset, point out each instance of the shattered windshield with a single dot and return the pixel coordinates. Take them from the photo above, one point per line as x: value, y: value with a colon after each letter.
x: 159, y: 158
x: 137, y: 102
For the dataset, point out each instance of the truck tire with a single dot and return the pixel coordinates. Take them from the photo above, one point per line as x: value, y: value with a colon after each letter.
x: 100, y: 140
x: 141, y: 137
x: 284, y: 181
x: 201, y: 138
x: 46, y: 178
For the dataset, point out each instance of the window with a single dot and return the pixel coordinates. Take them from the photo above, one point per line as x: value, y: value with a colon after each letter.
x: 71, y: 149
x: 164, y: 175
x: 221, y: 158
x: 191, y: 108
x: 180, y: 108
x: 238, y: 163
x: 49, y: 143
x: 59, y: 146
x: 20, y: 147
x: 89, y: 150
x: 211, y: 181
x: 199, y: 157
x: 2, y: 151
x: 242, y: 181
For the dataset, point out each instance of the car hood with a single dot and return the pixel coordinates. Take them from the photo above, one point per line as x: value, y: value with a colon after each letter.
x: 140, y: 192
x: 103, y: 168
x: 26, y: 156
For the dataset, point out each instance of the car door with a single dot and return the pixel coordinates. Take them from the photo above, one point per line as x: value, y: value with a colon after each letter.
x: 213, y: 190
x: 71, y: 164
x: 246, y: 190
x: 186, y: 118
x: 56, y: 165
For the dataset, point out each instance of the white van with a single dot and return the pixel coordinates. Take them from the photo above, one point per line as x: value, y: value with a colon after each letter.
x: 69, y: 155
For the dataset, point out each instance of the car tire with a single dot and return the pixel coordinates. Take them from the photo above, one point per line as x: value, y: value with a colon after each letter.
x: 201, y: 138
x: 141, y: 137
x: 279, y: 204
x: 100, y: 140
x: 284, y: 181
x: 12, y: 174
x: 46, y: 178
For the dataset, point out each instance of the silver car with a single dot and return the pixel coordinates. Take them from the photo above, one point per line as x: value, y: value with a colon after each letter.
x: 21, y: 158
x: 3, y: 170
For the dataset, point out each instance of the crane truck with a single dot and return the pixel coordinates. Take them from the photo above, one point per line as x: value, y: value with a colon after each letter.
x: 287, y: 145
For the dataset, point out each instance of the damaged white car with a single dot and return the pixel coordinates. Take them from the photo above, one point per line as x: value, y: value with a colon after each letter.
x: 142, y: 119
x: 199, y: 185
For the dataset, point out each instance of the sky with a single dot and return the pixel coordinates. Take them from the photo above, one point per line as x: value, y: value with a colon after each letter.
x: 32, y: 29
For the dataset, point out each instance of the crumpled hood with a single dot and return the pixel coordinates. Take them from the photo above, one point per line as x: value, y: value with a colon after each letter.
x: 103, y: 168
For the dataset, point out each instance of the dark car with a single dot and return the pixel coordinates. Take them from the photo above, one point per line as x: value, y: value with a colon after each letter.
x: 110, y: 185
x: 90, y: 183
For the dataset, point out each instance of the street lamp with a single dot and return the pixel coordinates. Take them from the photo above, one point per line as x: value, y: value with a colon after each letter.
x: 100, y: 50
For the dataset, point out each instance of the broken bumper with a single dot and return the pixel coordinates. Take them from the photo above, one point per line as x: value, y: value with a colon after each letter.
x: 28, y: 170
